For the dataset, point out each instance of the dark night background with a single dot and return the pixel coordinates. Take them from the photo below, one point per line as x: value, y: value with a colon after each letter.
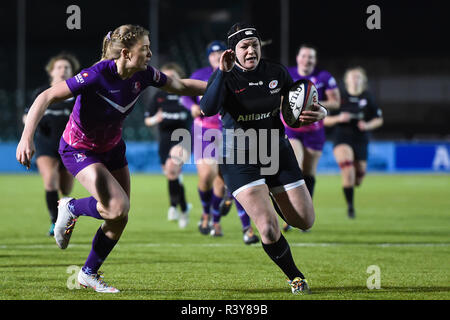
x: 411, y: 45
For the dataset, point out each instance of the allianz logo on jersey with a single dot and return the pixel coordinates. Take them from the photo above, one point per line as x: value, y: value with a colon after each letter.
x: 259, y: 83
x: 253, y: 116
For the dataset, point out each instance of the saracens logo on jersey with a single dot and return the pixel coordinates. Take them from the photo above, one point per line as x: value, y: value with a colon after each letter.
x: 273, y: 84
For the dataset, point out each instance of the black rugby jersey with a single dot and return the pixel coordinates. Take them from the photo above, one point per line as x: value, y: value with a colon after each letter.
x: 251, y: 99
x: 175, y: 115
x: 361, y: 107
x: 55, y: 117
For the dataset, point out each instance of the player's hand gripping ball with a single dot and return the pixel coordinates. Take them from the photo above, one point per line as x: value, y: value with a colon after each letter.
x: 301, y: 96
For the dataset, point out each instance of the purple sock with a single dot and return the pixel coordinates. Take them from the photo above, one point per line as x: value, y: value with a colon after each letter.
x: 215, y: 203
x: 205, y: 198
x: 84, y: 207
x: 101, y: 247
x: 245, y: 219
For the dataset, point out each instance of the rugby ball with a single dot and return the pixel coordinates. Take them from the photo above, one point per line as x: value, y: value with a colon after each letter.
x: 301, y: 96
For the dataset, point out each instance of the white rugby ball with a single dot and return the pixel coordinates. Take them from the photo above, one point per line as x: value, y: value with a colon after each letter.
x: 301, y: 96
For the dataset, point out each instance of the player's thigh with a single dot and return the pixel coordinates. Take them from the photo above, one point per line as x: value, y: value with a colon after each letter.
x: 311, y: 160
x: 122, y: 176
x: 256, y: 202
x: 296, y: 206
x: 360, y: 165
x: 105, y: 187
x: 207, y: 170
x: 49, y: 169
x: 343, y: 152
x: 297, y: 146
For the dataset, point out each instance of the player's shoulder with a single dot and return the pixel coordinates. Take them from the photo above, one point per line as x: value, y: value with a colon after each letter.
x: 272, y: 64
x: 202, y: 73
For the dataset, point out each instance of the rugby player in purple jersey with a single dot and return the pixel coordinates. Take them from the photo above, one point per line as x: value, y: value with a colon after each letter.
x: 215, y: 199
x: 92, y: 148
x: 308, y: 141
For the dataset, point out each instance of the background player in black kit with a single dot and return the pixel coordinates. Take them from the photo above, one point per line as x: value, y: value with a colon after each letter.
x: 169, y: 114
x: 247, y: 91
x: 357, y: 115
x: 54, y: 175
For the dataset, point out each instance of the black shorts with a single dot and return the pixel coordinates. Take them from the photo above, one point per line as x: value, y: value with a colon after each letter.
x: 165, y: 144
x: 239, y: 177
x: 356, y: 142
x: 46, y: 146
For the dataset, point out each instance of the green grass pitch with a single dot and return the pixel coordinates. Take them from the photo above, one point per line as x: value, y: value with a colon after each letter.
x: 402, y: 226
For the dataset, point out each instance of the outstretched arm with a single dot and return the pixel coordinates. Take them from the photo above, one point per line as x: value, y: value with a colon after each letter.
x: 186, y: 87
x: 210, y: 102
x: 25, y: 148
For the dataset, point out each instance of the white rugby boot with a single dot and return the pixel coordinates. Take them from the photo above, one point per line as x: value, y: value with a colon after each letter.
x: 64, y: 224
x: 96, y: 282
x: 183, y: 219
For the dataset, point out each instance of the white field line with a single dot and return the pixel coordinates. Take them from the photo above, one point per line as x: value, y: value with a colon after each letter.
x: 175, y: 245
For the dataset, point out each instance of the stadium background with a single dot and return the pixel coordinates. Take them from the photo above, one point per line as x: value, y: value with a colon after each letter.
x: 406, y: 60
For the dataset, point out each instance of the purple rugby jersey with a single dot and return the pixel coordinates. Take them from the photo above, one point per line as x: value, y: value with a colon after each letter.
x: 103, y: 101
x: 213, y: 122
x: 323, y: 81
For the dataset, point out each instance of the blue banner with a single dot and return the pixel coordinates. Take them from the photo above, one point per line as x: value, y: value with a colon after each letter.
x: 389, y: 157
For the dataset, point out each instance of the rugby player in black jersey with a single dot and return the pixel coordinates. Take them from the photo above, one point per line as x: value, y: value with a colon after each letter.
x: 357, y: 116
x: 247, y: 91
x: 167, y: 111
x: 55, y: 176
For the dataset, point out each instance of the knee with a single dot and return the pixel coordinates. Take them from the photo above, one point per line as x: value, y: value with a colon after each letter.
x: 118, y: 209
x: 306, y: 219
x: 269, y: 231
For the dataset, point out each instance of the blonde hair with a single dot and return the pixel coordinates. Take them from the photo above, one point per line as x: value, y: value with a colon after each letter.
x: 125, y: 36
x: 74, y: 63
x: 175, y: 67
x: 363, y: 74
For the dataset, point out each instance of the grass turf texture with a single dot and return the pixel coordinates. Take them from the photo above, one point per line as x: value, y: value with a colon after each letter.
x: 402, y: 225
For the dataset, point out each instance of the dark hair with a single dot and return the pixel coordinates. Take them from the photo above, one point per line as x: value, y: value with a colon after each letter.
x: 73, y: 61
x: 307, y: 45
x: 175, y: 67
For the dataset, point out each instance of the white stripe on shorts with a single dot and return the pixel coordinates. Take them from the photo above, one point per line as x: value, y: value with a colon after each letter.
x: 248, y: 185
x: 286, y: 187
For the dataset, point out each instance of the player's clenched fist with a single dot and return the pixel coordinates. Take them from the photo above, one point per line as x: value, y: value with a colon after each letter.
x: 25, y: 151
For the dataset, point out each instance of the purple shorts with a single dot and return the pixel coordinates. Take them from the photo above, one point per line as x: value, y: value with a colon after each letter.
x: 76, y: 160
x: 310, y: 139
x: 204, y: 142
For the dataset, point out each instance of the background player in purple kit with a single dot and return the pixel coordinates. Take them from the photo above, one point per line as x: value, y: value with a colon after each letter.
x: 308, y: 141
x: 169, y: 114
x: 354, y: 120
x: 211, y: 186
x: 55, y: 176
x: 92, y: 148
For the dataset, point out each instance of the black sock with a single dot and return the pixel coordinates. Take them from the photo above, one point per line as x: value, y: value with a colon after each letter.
x: 348, y: 192
x: 174, y: 190
x: 280, y: 253
x: 310, y: 181
x: 52, y: 204
x: 182, y: 197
